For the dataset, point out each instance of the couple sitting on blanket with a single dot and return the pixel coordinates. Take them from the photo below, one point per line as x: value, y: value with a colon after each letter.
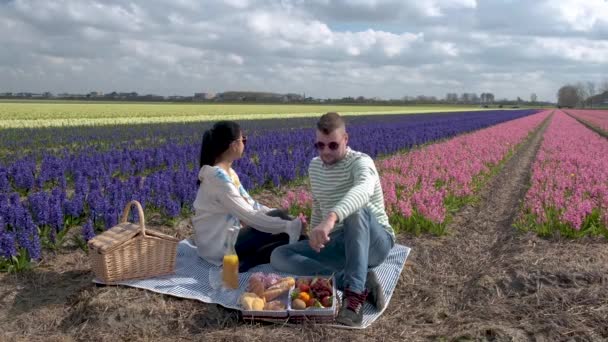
x: 350, y: 229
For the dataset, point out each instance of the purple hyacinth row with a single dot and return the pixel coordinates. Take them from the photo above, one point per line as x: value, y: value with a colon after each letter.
x: 91, y: 186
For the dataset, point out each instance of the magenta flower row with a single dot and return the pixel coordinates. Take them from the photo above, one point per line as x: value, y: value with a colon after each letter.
x: 570, y: 175
x: 421, y: 180
x: 597, y: 118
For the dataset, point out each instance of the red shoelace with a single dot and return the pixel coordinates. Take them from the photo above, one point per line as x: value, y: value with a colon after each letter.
x: 355, y: 300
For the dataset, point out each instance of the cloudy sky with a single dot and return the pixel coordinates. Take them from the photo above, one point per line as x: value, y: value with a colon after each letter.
x: 323, y: 48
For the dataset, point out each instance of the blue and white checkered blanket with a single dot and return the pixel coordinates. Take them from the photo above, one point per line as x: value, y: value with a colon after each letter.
x: 197, y: 279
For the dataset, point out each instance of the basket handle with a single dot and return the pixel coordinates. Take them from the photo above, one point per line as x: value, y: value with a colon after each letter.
x: 140, y: 211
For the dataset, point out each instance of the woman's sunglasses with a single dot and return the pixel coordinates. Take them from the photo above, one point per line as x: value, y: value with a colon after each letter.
x: 243, y: 139
x: 332, y: 145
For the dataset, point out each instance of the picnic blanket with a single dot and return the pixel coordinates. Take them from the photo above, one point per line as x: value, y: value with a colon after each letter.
x: 198, y: 279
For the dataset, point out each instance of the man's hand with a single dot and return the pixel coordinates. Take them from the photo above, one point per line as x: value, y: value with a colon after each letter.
x: 319, y: 236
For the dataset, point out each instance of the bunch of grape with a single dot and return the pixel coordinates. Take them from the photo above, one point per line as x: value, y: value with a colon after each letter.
x: 321, y: 288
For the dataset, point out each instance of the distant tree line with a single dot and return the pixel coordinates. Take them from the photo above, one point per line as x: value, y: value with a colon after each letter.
x: 583, y: 95
x: 485, y: 99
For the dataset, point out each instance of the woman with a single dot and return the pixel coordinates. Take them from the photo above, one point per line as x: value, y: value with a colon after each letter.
x: 222, y: 202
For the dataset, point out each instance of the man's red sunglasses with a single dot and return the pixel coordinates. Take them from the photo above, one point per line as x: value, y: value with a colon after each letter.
x: 332, y: 145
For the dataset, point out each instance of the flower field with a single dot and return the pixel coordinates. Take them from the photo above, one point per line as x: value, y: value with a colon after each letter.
x: 34, y: 142
x: 423, y: 187
x: 80, y: 178
x: 23, y: 114
x: 46, y: 192
x: 456, y: 187
x: 596, y: 118
x: 569, y: 192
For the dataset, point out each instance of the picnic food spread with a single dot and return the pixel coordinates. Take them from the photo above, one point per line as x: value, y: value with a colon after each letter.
x: 263, y: 291
x: 268, y: 292
x: 312, y: 292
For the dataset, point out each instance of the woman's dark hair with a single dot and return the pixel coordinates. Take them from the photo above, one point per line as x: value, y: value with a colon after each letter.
x: 217, y: 140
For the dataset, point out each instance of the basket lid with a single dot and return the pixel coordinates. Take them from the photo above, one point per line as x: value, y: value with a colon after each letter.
x: 114, y: 236
x: 125, y: 231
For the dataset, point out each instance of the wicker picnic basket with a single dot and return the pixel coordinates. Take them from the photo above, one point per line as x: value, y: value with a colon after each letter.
x: 129, y: 251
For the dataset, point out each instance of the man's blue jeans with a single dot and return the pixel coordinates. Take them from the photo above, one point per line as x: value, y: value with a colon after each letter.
x: 361, y: 243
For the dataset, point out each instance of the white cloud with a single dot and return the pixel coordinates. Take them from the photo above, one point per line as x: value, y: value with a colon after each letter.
x: 391, y: 45
x: 278, y: 25
x: 577, y: 50
x: 106, y: 16
x: 437, y: 8
x: 386, y: 48
x: 239, y: 4
x: 236, y: 59
x: 581, y: 15
x: 446, y: 48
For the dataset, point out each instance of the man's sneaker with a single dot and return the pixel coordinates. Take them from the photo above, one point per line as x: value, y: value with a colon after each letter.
x: 351, y: 311
x: 375, y: 293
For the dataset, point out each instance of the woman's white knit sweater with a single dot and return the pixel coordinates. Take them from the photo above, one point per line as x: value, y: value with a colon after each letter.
x: 221, y: 203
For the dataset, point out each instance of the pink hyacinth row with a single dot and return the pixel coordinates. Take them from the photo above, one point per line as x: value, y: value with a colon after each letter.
x: 299, y: 199
x: 570, y: 174
x: 597, y: 118
x: 420, y: 180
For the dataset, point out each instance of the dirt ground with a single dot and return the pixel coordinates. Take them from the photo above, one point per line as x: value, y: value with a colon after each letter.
x: 483, y: 281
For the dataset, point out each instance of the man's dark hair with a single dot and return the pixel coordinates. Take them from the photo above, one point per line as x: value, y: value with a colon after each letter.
x: 330, y: 122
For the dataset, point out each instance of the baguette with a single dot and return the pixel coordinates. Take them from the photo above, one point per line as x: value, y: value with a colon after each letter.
x: 279, y: 288
x: 281, y: 283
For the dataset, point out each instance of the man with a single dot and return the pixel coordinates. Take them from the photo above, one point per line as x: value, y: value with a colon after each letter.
x: 350, y: 229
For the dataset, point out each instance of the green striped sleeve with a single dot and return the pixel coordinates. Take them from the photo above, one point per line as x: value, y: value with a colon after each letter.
x: 365, y: 175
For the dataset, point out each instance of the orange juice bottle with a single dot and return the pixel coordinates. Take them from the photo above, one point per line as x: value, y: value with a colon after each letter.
x: 230, y: 266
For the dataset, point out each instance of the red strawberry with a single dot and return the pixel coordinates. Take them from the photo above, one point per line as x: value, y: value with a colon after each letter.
x: 326, y: 301
x: 310, y: 302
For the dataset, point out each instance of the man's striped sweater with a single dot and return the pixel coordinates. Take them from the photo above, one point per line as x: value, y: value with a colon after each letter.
x: 351, y: 184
